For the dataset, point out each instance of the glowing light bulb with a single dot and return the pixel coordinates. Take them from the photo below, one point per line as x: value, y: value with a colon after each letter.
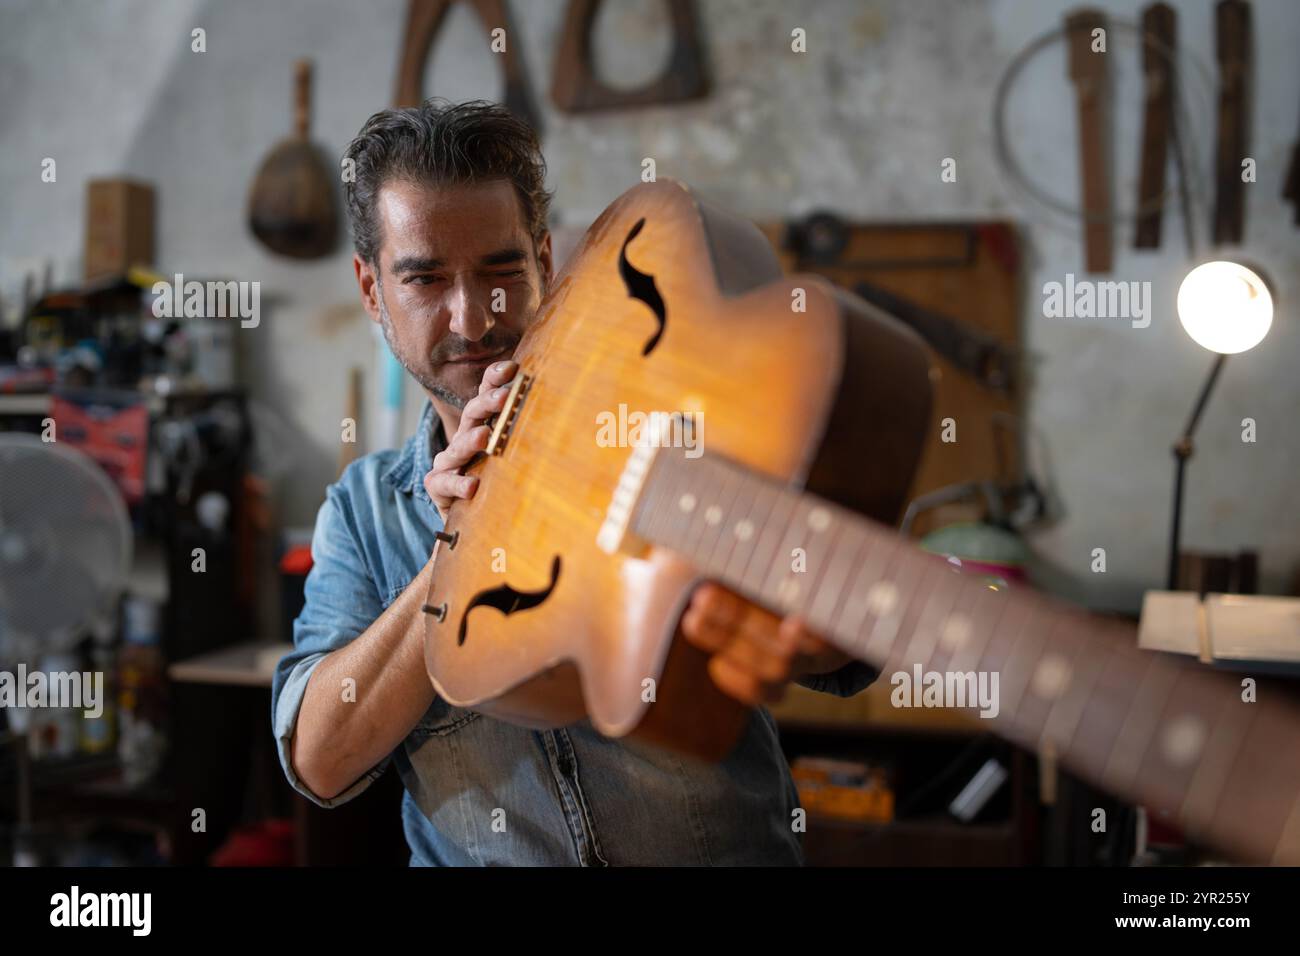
x: 1225, y: 307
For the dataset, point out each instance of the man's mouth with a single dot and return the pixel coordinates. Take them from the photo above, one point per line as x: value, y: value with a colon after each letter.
x: 478, y: 358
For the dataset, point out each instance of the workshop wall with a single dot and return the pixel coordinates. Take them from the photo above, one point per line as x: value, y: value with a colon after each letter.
x: 859, y: 125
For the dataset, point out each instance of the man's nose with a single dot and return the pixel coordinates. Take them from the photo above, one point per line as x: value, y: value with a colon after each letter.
x: 470, y: 316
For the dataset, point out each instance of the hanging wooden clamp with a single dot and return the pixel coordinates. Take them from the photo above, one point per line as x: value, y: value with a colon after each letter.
x: 423, y: 20
x: 1089, y: 73
x: 1159, y: 26
x: 1232, y: 44
x: 577, y: 88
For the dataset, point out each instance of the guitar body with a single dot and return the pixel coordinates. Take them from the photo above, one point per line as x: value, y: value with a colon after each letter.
x: 668, y: 306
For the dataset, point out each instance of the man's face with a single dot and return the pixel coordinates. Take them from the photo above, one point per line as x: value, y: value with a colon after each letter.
x: 457, y: 283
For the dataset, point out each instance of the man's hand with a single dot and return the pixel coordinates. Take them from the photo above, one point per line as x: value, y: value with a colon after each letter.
x: 755, y: 654
x: 444, y: 482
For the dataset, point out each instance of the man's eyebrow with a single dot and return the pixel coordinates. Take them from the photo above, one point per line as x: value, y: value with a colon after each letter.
x: 407, y: 264
x: 504, y: 257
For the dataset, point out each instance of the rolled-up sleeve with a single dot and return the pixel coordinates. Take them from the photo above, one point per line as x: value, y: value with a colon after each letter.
x: 844, y: 682
x: 341, y: 602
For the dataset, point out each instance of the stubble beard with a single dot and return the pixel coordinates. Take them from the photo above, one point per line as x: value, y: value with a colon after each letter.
x: 426, y: 379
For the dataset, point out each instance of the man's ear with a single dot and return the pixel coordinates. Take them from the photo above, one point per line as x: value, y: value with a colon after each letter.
x: 544, y: 260
x: 368, y: 283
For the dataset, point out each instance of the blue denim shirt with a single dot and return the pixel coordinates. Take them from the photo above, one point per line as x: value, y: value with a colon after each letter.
x: 482, y: 791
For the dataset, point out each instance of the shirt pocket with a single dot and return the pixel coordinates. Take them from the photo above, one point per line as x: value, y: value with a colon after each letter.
x: 441, y: 718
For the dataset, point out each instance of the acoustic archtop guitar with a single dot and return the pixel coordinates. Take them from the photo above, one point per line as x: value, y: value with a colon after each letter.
x: 682, y: 413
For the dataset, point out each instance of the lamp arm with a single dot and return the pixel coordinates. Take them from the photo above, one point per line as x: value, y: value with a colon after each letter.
x: 1182, y: 451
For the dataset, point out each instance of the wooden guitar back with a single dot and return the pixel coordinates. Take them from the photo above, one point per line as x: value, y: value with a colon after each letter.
x: 668, y: 306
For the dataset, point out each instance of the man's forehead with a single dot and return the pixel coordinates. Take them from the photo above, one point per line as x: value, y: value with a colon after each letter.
x: 467, y: 219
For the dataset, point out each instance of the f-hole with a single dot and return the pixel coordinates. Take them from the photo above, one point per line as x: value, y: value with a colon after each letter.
x: 642, y: 286
x: 508, y: 600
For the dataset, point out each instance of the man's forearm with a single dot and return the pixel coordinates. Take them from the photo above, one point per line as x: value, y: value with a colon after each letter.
x: 340, y: 735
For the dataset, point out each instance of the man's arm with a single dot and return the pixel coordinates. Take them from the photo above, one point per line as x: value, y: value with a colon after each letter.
x: 339, y: 736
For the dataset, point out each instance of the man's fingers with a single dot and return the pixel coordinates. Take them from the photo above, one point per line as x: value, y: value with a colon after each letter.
x: 761, y: 655
x: 462, y: 448
x: 742, y: 685
x: 717, y: 615
x: 499, y: 374
x: 483, y: 406
x: 444, y: 487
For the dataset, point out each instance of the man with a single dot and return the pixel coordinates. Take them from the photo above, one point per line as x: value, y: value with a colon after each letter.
x: 449, y: 206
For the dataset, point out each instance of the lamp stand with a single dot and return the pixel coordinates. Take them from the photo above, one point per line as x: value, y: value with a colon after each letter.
x: 1182, y: 451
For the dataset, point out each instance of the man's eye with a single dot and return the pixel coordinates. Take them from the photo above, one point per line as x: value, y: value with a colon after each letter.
x: 419, y: 280
x: 512, y: 274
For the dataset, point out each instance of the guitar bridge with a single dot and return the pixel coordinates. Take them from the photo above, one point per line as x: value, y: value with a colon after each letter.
x: 505, y: 420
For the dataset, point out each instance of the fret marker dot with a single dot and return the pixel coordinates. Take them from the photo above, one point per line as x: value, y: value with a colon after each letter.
x: 956, y: 632
x: 686, y: 502
x: 713, y: 514
x: 1051, y: 677
x: 881, y: 598
x: 819, y: 519
x: 1183, y: 739
x: 744, y: 530
x: 787, y: 591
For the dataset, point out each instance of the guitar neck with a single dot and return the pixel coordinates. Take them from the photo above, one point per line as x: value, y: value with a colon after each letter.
x: 1046, y: 676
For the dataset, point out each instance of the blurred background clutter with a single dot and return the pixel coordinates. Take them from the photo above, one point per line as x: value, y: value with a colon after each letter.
x: 193, y: 347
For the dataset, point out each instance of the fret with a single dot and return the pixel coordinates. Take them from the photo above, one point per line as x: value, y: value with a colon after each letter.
x: 656, y: 518
x: 784, y: 586
x: 764, y: 499
x: 857, y: 602
x: 912, y: 570
x: 988, y: 609
x: 1286, y: 850
x: 840, y: 566
x: 925, y: 634
x: 1138, y: 728
x: 1231, y: 729
x: 728, y: 542
x: 712, y: 488
x: 1106, y: 711
x: 1037, y: 652
x: 1085, y: 667
x: 1257, y: 810
x: 1010, y: 666
x: 1016, y: 621
x: 717, y: 542
x: 958, y: 628
x: 818, y: 562
x: 766, y: 550
x: 1169, y: 764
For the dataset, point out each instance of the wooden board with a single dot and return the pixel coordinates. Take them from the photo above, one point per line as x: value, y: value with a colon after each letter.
x: 969, y: 271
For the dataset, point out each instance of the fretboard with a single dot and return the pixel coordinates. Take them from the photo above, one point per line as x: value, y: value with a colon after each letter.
x: 1156, y: 731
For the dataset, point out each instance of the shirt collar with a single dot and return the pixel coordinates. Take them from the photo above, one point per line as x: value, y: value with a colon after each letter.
x: 416, y: 458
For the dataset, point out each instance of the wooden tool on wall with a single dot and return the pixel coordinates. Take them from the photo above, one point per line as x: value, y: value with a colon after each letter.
x: 1090, y: 75
x: 959, y: 283
x: 423, y: 20
x: 1233, y: 47
x: 577, y: 88
x: 291, y: 207
x: 1159, y: 30
x: 1291, y: 186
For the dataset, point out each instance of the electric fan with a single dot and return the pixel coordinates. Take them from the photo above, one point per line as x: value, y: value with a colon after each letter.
x: 65, y: 550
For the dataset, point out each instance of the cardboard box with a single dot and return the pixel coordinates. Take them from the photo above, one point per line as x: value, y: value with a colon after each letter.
x: 119, y: 227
